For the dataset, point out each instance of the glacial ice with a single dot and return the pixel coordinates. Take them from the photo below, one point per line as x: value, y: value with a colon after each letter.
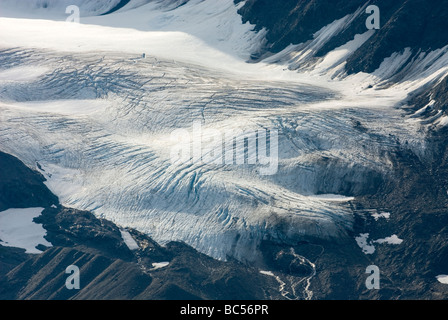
x: 98, y: 121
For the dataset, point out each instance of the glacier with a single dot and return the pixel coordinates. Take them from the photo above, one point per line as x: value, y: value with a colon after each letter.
x: 79, y: 104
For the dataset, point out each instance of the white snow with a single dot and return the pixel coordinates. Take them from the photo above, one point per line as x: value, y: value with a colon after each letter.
x: 334, y: 61
x: 212, y: 23
x: 367, y: 245
x: 209, y: 32
x: 442, y: 278
x: 423, y: 109
x: 267, y: 273
x: 53, y: 9
x: 21, y: 74
x: 377, y: 216
x: 302, y: 56
x: 64, y: 107
x: 129, y: 240
x: 391, y: 64
x: 443, y: 121
x: 17, y: 229
x: 393, y: 239
x: 332, y: 197
x: 159, y: 265
x: 364, y: 244
x: 111, y: 154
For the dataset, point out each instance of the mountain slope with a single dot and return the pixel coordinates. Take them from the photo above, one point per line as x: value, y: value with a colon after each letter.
x: 99, y: 250
x: 20, y: 188
x: 360, y: 115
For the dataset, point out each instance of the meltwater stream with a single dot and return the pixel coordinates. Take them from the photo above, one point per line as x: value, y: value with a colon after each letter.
x: 98, y: 126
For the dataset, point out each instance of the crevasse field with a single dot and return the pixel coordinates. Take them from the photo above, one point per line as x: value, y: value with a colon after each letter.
x: 80, y: 104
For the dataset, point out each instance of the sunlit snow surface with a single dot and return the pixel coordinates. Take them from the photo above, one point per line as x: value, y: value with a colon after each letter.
x: 98, y: 120
x: 17, y: 229
x: 442, y: 278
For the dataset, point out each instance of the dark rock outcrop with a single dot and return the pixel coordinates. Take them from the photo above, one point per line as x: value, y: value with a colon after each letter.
x: 20, y: 187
